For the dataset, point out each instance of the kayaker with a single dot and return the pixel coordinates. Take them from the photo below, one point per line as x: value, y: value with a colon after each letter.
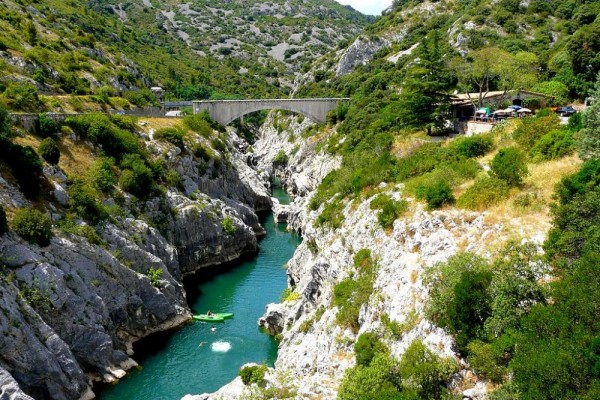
x: 209, y: 313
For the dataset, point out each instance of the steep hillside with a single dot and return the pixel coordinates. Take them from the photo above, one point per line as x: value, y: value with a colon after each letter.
x: 560, y: 39
x: 191, y: 50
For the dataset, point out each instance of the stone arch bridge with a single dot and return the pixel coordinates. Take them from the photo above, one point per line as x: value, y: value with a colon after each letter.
x: 227, y: 111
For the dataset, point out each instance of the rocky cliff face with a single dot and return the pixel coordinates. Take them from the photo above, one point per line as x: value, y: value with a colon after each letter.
x: 315, y: 351
x: 71, y: 310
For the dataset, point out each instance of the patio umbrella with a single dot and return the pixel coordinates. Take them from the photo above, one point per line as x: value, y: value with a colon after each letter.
x: 524, y: 110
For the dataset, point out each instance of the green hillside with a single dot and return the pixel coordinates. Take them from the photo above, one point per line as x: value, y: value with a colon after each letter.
x: 56, y: 47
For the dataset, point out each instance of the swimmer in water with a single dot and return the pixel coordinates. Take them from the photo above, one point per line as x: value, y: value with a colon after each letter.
x: 213, y: 329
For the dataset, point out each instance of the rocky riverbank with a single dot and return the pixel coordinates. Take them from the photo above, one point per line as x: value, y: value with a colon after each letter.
x: 71, y: 310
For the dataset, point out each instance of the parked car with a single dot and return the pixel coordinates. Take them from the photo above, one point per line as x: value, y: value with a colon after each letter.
x: 566, y: 111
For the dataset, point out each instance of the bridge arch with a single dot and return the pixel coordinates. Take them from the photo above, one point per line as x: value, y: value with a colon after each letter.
x: 226, y: 111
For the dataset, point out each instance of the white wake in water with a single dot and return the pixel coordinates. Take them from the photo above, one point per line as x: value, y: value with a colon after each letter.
x: 220, y: 347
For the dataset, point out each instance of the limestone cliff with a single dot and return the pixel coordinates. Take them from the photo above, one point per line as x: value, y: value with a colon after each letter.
x: 71, y: 310
x: 315, y: 351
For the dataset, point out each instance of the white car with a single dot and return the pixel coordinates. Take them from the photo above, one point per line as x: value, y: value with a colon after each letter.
x: 174, y: 113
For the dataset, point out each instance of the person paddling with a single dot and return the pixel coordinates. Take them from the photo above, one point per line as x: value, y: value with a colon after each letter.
x: 209, y: 313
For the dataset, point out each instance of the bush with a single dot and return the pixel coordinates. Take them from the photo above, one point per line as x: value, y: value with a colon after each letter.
x: 254, y: 374
x: 424, y: 374
x: 173, y: 178
x: 553, y: 145
x: 172, y: 135
x: 202, y: 124
x: 280, y: 159
x: 485, y: 192
x: 33, y: 226
x: 46, y: 126
x: 228, y: 226
x: 100, y: 129
x: 3, y: 221
x: 204, y: 152
x: 509, y: 165
x: 531, y: 129
x: 23, y: 96
x: 475, y: 146
x: 390, y: 209
x: 366, y: 347
x: 136, y: 178
x: 25, y: 165
x: 49, y: 151
x: 351, y: 293
x: 332, y: 214
x: 84, y: 202
x: 102, y: 176
x: 436, y: 195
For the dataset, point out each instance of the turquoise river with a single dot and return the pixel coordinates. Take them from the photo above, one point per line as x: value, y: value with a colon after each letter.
x: 193, y: 359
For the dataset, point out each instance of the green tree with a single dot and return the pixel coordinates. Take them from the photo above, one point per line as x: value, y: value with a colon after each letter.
x: 366, y: 347
x: 470, y: 306
x: 378, y: 381
x: 49, y: 151
x: 509, y: 165
x: 424, y: 96
x: 424, y: 373
x: 589, y: 137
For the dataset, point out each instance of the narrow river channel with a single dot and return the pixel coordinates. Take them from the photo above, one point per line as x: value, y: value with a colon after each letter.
x: 195, y: 360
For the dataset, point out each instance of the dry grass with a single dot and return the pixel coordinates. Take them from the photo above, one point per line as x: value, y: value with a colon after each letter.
x: 75, y: 157
x: 405, y: 145
x: 145, y: 124
x: 541, y: 182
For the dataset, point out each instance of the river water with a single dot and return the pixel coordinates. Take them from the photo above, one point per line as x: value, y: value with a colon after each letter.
x: 195, y: 360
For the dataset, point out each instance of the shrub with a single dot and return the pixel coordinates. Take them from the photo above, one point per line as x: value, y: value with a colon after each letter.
x: 172, y: 135
x: 366, y: 347
x: 84, y: 202
x: 531, y: 129
x: 25, y: 165
x: 228, y: 226
x: 100, y: 129
x: 154, y: 274
x: 136, y: 178
x: 332, y: 214
x: 254, y: 374
x: 378, y: 381
x: 509, y: 165
x: 425, y: 374
x: 555, y: 144
x: 3, y: 221
x: 437, y: 195
x: 33, y: 226
x: 485, y: 192
x: 390, y: 209
x: 204, y: 152
x: 23, y: 96
x: 49, y: 151
x: 484, y: 362
x: 102, y: 176
x: 475, y: 146
x: 351, y: 293
x: 280, y: 159
x: 201, y: 123
x: 173, y: 178
x: 46, y: 126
